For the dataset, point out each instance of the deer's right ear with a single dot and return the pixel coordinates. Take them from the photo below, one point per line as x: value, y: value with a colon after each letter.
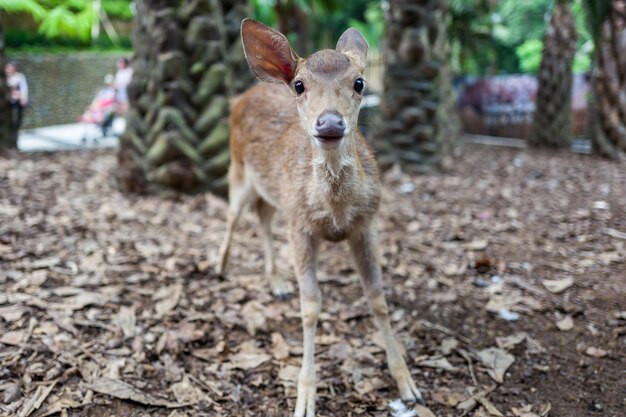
x: 268, y: 52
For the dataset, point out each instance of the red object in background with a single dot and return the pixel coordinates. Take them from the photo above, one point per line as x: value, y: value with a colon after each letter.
x: 504, y: 105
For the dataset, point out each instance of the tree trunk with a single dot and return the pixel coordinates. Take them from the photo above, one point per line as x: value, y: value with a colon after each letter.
x: 553, y: 115
x: 188, y: 62
x: 609, y: 82
x: 8, y: 135
x: 293, y: 19
x: 420, y: 123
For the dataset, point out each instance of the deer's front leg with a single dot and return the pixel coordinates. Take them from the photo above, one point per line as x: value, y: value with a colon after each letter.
x: 305, y: 251
x: 365, y: 253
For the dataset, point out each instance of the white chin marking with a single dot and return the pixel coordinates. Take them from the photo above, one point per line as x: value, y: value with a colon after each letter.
x: 328, y: 145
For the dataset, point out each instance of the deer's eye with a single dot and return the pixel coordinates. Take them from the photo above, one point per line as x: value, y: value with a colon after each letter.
x: 359, y: 84
x: 299, y: 87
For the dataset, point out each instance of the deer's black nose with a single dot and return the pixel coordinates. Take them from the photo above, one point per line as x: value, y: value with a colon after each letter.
x: 330, y: 125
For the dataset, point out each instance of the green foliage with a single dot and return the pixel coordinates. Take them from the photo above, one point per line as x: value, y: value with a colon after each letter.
x: 66, y: 20
x: 264, y: 11
x: 374, y: 25
x: 327, y: 19
x: 119, y: 9
x: 61, y: 21
x: 471, y: 33
x: 529, y: 55
x: 506, y: 36
x: 31, y: 7
x: 518, y: 21
x: 582, y: 59
x: 597, y: 11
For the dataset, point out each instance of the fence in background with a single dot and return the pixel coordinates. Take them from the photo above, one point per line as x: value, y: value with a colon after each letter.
x: 62, y: 86
x: 375, y: 71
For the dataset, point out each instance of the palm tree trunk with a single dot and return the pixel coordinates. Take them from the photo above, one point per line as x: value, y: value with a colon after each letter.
x: 418, y: 107
x: 8, y: 135
x: 609, y: 79
x: 553, y: 115
x: 293, y: 19
x: 188, y: 62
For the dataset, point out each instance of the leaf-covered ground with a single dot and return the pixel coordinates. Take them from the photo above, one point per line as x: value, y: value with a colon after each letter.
x: 506, y: 277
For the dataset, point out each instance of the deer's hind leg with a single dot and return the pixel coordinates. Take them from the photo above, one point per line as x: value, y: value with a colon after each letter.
x: 240, y: 193
x: 265, y: 211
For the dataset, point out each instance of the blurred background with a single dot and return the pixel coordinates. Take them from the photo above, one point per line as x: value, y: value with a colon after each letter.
x: 436, y: 69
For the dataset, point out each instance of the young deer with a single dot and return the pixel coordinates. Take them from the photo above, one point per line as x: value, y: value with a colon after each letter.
x: 295, y: 146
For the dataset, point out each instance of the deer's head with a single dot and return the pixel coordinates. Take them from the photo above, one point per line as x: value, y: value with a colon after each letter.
x: 328, y: 85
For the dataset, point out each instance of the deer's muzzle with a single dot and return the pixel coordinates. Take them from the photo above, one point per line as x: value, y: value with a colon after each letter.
x: 330, y: 126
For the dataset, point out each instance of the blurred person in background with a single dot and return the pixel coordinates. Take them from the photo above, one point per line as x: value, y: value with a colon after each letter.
x: 18, y: 93
x: 122, y: 78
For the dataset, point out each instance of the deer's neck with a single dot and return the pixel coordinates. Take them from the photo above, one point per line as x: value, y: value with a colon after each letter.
x: 336, y: 172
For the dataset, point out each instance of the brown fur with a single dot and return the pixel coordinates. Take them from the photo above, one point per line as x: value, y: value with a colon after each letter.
x: 327, y: 62
x: 278, y: 160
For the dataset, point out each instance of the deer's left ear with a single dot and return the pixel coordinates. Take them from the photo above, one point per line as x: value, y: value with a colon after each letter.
x: 354, y: 45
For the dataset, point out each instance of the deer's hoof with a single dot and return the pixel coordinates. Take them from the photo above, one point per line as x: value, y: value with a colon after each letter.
x: 305, y: 404
x: 281, y: 289
x: 281, y: 296
x: 412, y: 395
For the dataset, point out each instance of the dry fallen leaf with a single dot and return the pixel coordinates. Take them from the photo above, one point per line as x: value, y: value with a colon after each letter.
x: 186, y: 392
x: 512, y: 301
x: 36, y: 399
x: 545, y: 409
x: 113, y: 367
x: 59, y: 405
x: 13, y: 337
x: 497, y: 362
x: 482, y: 412
x: 448, y: 345
x: 565, y: 324
x: 447, y: 397
x: 79, y: 301
x: 339, y: 351
x: 615, y: 233
x: 31, y: 281
x: 454, y: 270
x: 289, y: 374
x: 477, y: 244
x: 280, y: 348
x: 440, y: 363
x: 119, y: 389
x: 423, y: 411
x: 126, y: 320
x: 557, y: 286
x: 469, y: 404
x: 368, y: 385
x: 517, y: 412
x: 12, y: 313
x: 168, y: 299
x: 491, y: 409
x: 508, y: 342
x: 12, y: 391
x: 527, y: 411
x: 596, y: 352
x: 248, y: 360
x: 253, y: 315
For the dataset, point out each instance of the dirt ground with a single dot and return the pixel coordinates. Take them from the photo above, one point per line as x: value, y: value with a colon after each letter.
x: 506, y: 278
